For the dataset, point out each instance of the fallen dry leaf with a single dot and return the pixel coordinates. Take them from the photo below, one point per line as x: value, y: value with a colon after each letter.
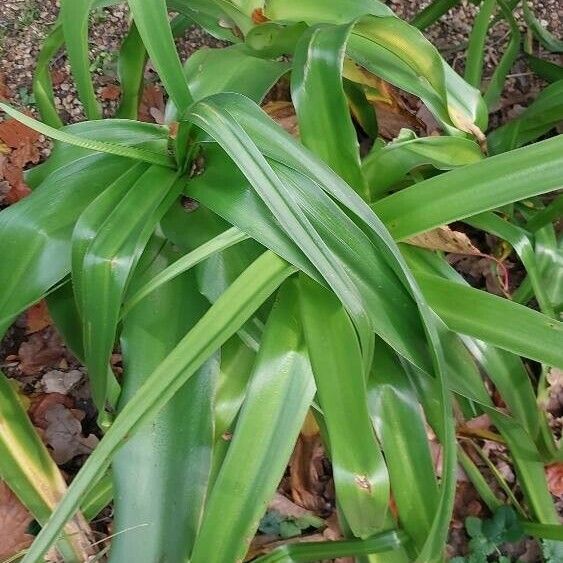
x: 306, y: 471
x: 41, y: 350
x: 479, y: 427
x: 13, y: 175
x: 58, y: 76
x: 56, y: 381
x: 284, y: 114
x: 37, y: 317
x: 555, y: 376
x: 25, y: 154
x: 64, y: 435
x: 151, y: 108
x: 425, y: 117
x: 5, y: 92
x: 554, y: 474
x: 482, y: 266
x: 41, y: 404
x: 17, y: 149
x: 446, y: 240
x: 14, y: 134
x: 390, y: 104
x: 258, y: 16
x: 14, y: 522
x: 466, y: 504
x: 110, y: 92
x: 391, y: 118
x: 4, y: 190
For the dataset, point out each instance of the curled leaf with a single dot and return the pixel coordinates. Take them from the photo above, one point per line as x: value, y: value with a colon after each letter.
x: 446, y: 240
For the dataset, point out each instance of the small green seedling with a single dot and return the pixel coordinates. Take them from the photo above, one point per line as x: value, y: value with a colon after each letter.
x: 489, y: 534
x: 276, y: 524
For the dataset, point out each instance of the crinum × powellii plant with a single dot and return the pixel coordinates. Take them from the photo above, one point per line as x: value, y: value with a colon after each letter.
x: 287, y: 289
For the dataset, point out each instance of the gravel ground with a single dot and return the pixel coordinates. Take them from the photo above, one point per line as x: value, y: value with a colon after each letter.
x: 24, y: 23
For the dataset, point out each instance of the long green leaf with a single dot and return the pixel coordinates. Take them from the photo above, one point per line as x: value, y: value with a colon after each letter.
x: 522, y: 245
x: 547, y: 39
x: 208, y: 15
x: 340, y: 234
x: 506, y: 370
x: 496, y: 84
x: 473, y: 189
x: 476, y: 47
x: 325, y: 126
x: 546, y: 215
x: 278, y: 398
x: 237, y: 362
x: 74, y: 19
x: 42, y: 82
x: 547, y: 70
x: 400, y: 54
x: 97, y: 498
x: 360, y: 474
x: 399, y: 424
x: 39, y: 229
x: 232, y: 69
x: 164, y: 468
x: 313, y: 551
x: 279, y: 146
x: 549, y: 254
x: 107, y: 242
x: 230, y: 312
x: 131, y: 67
x: 198, y: 227
x: 384, y: 166
x: 64, y: 136
x: 433, y: 12
x: 236, y: 142
x: 315, y: 11
x: 151, y: 19
x: 217, y: 244
x: 505, y: 324
x: 65, y: 159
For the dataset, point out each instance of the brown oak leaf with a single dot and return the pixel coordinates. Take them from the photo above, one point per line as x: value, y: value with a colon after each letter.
x: 41, y: 404
x: 14, y: 134
x: 14, y: 522
x: 151, y: 108
x: 284, y: 114
x: 43, y: 349
x: 37, y: 317
x: 110, y: 92
x: 554, y: 474
x: 5, y: 92
x: 64, y: 434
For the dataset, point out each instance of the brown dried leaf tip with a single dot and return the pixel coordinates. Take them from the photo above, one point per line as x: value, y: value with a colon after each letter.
x: 258, y: 16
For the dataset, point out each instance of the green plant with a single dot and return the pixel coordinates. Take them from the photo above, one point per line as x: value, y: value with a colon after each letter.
x: 287, y: 526
x: 104, y: 63
x: 291, y: 287
x: 27, y: 98
x: 29, y: 13
x: 488, y: 534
